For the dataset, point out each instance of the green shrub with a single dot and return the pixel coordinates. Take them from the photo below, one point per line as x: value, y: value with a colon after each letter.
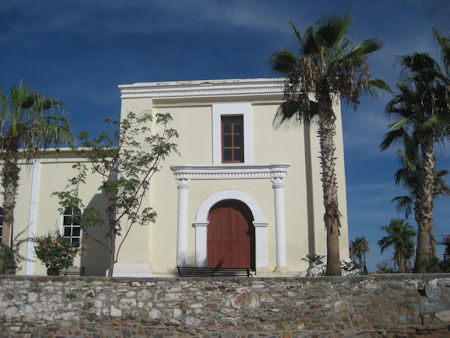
x: 55, y: 251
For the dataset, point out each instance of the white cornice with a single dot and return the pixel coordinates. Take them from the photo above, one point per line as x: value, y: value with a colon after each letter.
x: 185, y: 89
x: 229, y: 172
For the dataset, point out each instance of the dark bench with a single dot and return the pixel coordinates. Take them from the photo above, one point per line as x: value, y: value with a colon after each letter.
x: 184, y: 271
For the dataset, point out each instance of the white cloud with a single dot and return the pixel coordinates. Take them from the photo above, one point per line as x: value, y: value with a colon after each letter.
x: 117, y: 17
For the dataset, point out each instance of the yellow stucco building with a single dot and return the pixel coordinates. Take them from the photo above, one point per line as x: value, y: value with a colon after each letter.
x: 240, y: 193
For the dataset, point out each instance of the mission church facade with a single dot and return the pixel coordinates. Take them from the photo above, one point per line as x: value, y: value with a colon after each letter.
x: 240, y: 193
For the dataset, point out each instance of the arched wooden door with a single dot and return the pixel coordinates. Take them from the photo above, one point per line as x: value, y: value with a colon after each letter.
x: 231, y: 236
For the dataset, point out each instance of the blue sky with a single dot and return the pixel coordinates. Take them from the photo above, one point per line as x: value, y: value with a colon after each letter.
x: 80, y: 50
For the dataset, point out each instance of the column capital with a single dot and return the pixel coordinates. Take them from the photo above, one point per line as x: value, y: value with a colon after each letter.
x: 277, y: 182
x: 182, y: 183
x: 200, y: 224
x: 260, y: 224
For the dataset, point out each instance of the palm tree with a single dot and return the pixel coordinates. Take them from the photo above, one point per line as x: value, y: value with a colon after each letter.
x: 327, y: 67
x: 410, y: 177
x: 423, y: 109
x: 28, y: 122
x: 399, y: 236
x: 358, y: 248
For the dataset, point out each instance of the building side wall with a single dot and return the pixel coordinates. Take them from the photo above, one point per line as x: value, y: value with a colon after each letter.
x: 54, y: 171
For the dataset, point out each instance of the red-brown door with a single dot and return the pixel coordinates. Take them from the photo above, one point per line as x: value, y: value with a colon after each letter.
x: 231, y: 236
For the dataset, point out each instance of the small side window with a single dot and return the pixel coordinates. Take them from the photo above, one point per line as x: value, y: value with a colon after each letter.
x: 72, y: 225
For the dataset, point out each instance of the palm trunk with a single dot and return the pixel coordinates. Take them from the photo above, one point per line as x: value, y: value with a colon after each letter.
x: 10, y: 181
x: 331, y: 216
x: 360, y: 263
x: 424, y: 206
x: 433, y: 252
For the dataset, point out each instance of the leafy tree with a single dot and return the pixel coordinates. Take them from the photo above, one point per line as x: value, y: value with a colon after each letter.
x: 316, y: 266
x: 327, y: 67
x: 410, y: 177
x: 29, y: 122
x: 399, y: 236
x: 358, y: 248
x: 423, y: 111
x: 126, y: 167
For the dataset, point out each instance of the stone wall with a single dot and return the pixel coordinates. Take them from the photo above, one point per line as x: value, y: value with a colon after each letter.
x: 374, y: 305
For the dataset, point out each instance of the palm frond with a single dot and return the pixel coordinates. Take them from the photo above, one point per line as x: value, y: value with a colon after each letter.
x: 297, y: 33
x: 392, y: 136
x: 380, y: 84
x: 310, y: 45
x: 445, y: 49
x: 284, y: 61
x: 363, y: 49
x: 400, y: 123
x: 404, y: 204
x: 330, y: 31
x: 441, y: 119
x: 295, y: 111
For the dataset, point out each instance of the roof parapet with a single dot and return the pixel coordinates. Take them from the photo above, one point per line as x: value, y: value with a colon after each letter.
x: 203, y: 88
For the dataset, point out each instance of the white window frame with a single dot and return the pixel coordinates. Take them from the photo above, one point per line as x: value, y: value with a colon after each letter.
x: 223, y: 109
x: 61, y: 227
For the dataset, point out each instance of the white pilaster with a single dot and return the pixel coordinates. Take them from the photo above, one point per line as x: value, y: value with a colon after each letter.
x: 261, y: 244
x: 183, y: 193
x: 280, y: 226
x: 33, y: 216
x: 201, y: 240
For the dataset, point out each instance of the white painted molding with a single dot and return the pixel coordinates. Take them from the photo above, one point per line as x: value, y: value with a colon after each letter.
x: 261, y: 244
x: 230, y: 171
x: 201, y: 229
x: 182, y: 231
x: 277, y: 182
x: 280, y: 222
x: 33, y: 216
x: 223, y: 109
x: 203, y: 88
x: 201, y: 237
x: 275, y: 172
x: 203, y: 211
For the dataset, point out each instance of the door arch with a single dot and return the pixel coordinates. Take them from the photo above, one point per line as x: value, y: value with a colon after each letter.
x: 231, y: 235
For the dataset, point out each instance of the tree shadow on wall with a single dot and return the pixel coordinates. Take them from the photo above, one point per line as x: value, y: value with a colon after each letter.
x: 95, y: 260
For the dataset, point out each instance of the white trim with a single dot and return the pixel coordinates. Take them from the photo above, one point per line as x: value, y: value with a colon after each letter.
x: 230, y: 171
x: 206, y: 88
x: 182, y: 229
x: 201, y: 237
x: 261, y: 244
x: 201, y: 222
x: 133, y: 269
x: 33, y: 216
x: 203, y: 211
x: 223, y: 109
x: 280, y: 222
